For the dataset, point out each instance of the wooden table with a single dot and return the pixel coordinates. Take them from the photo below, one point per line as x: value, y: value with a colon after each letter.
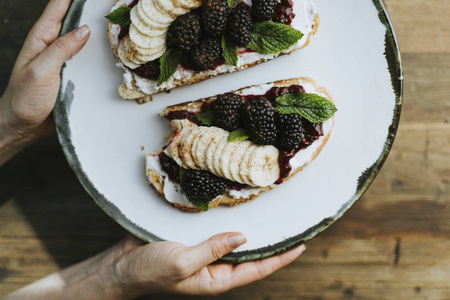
x: 393, y: 244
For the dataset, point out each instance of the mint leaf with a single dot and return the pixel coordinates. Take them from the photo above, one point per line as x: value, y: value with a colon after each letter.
x: 272, y: 37
x: 203, y: 204
x: 182, y: 173
x: 312, y: 107
x: 206, y: 118
x: 233, y: 3
x: 169, y: 64
x: 240, y: 134
x: 120, y: 16
x: 229, y: 53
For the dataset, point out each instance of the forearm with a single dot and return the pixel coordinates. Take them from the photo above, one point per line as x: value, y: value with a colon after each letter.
x: 91, y: 279
x: 11, y: 142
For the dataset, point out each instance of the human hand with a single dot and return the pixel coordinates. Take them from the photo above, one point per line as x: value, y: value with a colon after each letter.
x: 27, y: 103
x: 169, y: 267
x: 132, y: 268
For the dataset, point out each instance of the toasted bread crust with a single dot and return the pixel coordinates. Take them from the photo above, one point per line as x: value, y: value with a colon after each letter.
x: 158, y: 183
x: 135, y: 94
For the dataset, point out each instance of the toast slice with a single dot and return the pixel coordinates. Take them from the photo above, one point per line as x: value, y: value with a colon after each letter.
x: 172, y: 191
x: 135, y: 87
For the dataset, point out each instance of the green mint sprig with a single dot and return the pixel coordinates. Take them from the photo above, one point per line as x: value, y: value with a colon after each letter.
x: 233, y: 3
x: 120, y: 16
x: 312, y: 107
x: 169, y: 63
x: 240, y: 134
x: 229, y: 50
x: 271, y: 37
x: 203, y: 204
x: 206, y: 118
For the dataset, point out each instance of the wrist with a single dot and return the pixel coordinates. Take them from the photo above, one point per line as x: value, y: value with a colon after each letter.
x: 11, y: 140
x: 95, y: 278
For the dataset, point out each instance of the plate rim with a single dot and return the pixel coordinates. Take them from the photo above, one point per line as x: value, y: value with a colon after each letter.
x: 62, y: 107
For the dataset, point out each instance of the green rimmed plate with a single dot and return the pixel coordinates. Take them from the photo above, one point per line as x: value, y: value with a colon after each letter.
x: 354, y: 55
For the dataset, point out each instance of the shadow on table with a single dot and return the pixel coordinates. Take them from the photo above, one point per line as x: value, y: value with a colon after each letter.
x: 64, y: 217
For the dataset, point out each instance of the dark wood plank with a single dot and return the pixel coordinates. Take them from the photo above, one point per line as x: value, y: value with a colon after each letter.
x: 393, y: 244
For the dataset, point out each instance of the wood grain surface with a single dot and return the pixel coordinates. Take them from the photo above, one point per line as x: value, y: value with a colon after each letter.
x: 393, y: 244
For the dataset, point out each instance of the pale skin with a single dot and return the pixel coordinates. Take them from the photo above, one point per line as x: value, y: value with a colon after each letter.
x: 131, y: 268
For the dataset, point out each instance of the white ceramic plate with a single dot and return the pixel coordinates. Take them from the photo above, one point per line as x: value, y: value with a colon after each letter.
x: 103, y: 135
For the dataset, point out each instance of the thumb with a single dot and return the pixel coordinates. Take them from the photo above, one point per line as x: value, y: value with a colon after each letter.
x: 211, y: 250
x: 51, y: 59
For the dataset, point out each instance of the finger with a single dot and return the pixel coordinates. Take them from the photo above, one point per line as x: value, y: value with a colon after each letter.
x: 49, y: 62
x: 45, y: 31
x: 211, y: 250
x: 248, y: 272
x: 54, y: 12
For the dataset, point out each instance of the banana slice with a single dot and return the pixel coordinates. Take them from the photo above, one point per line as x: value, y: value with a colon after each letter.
x: 140, y: 14
x: 201, y: 143
x: 185, y: 148
x: 236, y: 160
x: 123, y: 50
x: 147, y: 58
x: 144, y: 27
x: 217, y: 155
x: 225, y: 158
x: 153, y: 13
x: 263, y: 166
x: 211, y: 152
x: 168, y: 7
x: 179, y: 130
x: 244, y: 170
x: 188, y: 4
x: 146, y: 51
x: 144, y: 41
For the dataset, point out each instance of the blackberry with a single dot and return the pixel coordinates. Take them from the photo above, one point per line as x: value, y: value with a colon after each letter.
x: 262, y: 10
x: 260, y: 121
x: 149, y: 70
x: 240, y: 25
x: 185, y: 31
x: 227, y: 110
x: 290, y: 131
x: 214, y: 17
x: 207, y: 54
x: 202, y: 185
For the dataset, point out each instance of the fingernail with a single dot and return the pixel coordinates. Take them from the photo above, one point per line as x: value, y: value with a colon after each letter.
x: 82, y: 32
x: 236, y: 240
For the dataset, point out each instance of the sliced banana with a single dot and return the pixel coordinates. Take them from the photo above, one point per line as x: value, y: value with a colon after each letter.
x: 244, y: 170
x: 179, y: 130
x: 201, y: 143
x: 147, y: 51
x: 188, y: 4
x: 211, y: 152
x: 144, y: 41
x: 144, y: 27
x: 147, y: 58
x: 225, y: 158
x: 123, y: 50
x: 219, y: 152
x: 185, y: 148
x: 236, y: 159
x: 149, y: 22
x: 153, y: 13
x: 168, y: 7
x: 263, y: 166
